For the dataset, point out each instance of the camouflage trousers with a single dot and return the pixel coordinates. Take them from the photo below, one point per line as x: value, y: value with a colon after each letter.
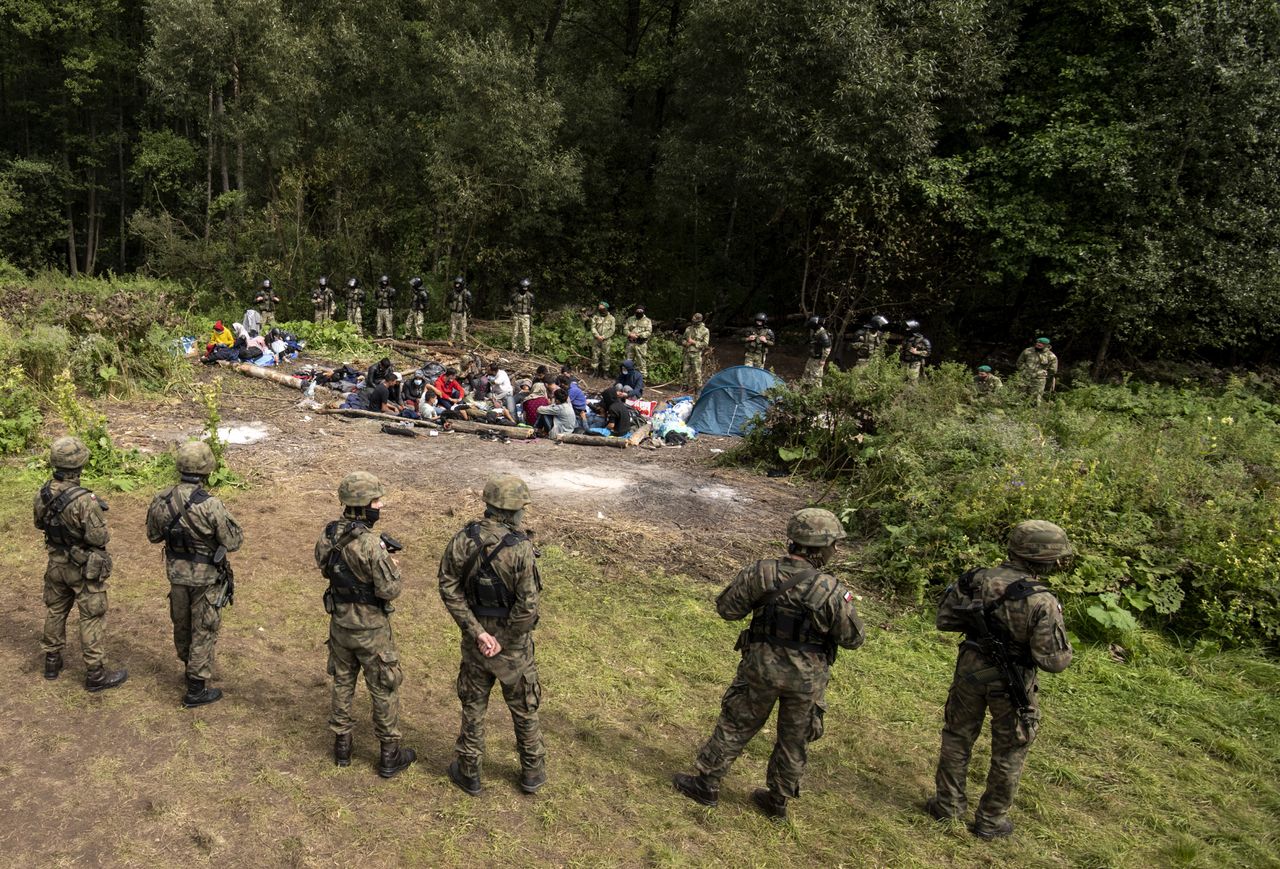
x: 693, y: 371
x: 458, y: 327
x: 975, y: 689
x: 755, y: 358
x: 813, y: 370
x: 600, y: 356
x: 520, y: 324
x: 321, y: 314
x: 639, y: 354
x: 413, y: 322
x: 913, y: 370
x: 745, y: 708
x: 268, y: 317
x: 355, y: 316
x: 516, y: 671
x: 195, y: 626
x: 65, y: 586
x: 1033, y: 383
x: 373, y: 651
x: 386, y: 326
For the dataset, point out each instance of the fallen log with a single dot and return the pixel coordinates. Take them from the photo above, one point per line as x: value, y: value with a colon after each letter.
x: 369, y: 414
x: 265, y: 374
x: 469, y: 426
x: 638, y: 436
x: 594, y: 441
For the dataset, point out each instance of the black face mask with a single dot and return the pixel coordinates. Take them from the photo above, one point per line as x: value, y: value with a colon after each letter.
x: 371, y: 515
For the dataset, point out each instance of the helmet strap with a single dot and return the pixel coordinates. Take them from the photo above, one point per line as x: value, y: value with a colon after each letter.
x: 198, y: 479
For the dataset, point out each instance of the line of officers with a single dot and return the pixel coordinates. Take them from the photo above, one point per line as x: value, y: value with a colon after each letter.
x: 800, y: 615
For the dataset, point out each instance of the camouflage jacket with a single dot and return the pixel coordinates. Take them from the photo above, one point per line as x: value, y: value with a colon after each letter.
x: 700, y: 335
x: 764, y: 338
x: 84, y: 518
x: 819, y: 343
x: 515, y: 565
x: 915, y: 348
x: 208, y: 524
x: 355, y: 295
x: 369, y: 560
x: 459, y: 301
x: 385, y: 296
x: 641, y: 327
x: 824, y: 596
x: 1034, y: 624
x: 1041, y: 364
x: 866, y: 343
x: 522, y: 303
x: 987, y: 385
x: 603, y: 326
x: 322, y: 297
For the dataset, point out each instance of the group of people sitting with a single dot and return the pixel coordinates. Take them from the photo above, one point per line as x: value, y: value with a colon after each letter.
x: 553, y: 405
x: 243, y: 344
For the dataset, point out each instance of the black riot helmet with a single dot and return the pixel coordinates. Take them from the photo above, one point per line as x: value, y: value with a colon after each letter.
x: 416, y: 283
x: 814, y: 322
x: 912, y: 325
x: 384, y: 280
x: 324, y: 280
x: 353, y: 283
x: 761, y: 318
x: 878, y: 322
x: 525, y: 283
x: 459, y: 281
x: 266, y: 284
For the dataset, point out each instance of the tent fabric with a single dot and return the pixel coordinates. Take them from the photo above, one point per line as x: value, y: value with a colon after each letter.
x: 731, y: 400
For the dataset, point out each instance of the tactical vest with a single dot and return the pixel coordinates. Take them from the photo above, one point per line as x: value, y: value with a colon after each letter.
x: 1017, y: 590
x: 180, y: 542
x: 458, y: 302
x: 918, y: 342
x: 788, y: 624
x: 56, y: 532
x: 344, y: 585
x: 820, y: 343
x: 386, y: 296
x: 421, y: 300
x: 486, y: 593
x: 522, y: 303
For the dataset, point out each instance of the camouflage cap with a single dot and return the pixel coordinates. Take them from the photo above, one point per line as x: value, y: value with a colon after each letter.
x: 359, y: 489
x: 506, y: 492
x: 814, y: 526
x: 697, y: 318
x: 195, y: 457
x: 68, y: 453
x: 1038, y: 540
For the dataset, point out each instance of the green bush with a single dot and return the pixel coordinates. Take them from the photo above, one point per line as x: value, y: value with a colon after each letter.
x: 44, y: 351
x: 1170, y: 493
x: 335, y: 339
x: 20, y: 416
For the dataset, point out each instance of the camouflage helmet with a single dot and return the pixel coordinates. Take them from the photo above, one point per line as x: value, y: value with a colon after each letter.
x: 1038, y: 540
x: 195, y: 457
x: 814, y: 526
x: 506, y: 492
x: 68, y: 453
x: 697, y: 318
x: 359, y: 489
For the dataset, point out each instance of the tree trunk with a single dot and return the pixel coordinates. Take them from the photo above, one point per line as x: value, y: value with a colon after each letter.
x: 222, y: 143
x: 72, y: 255
x: 1100, y: 357
x: 208, y: 167
x: 120, y: 168
x: 235, y: 93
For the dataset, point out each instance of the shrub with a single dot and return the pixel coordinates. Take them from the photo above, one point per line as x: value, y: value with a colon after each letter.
x: 20, y: 416
x: 335, y: 339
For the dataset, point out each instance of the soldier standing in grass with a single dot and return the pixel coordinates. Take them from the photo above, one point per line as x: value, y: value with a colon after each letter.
x: 419, y: 300
x: 758, y: 342
x: 697, y: 338
x: 521, y: 314
x: 868, y: 340
x: 602, y: 326
x: 1038, y: 367
x: 489, y: 583
x: 385, y: 298
x: 265, y: 302
x: 800, y: 614
x: 1010, y: 607
x: 915, y: 350
x: 322, y: 301
x: 74, y: 522
x: 364, y: 579
x: 639, y: 329
x: 459, y: 303
x: 197, y: 533
x: 819, y: 350
x: 355, y: 305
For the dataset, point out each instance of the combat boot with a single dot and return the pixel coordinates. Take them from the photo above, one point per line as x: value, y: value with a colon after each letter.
x: 697, y: 788
x: 467, y: 784
x: 999, y: 831
x: 52, y: 664
x: 774, y: 806
x: 395, y: 759
x: 100, y: 679
x: 342, y: 749
x: 198, y: 695
x: 934, y: 809
x: 532, y: 779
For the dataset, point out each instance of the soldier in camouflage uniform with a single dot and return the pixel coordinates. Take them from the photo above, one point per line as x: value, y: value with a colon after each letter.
x: 799, y: 616
x: 697, y: 338
x: 868, y: 340
x: 197, y: 533
x: 758, y: 342
x: 1013, y: 605
x: 602, y: 326
x: 265, y: 302
x: 915, y: 350
x: 521, y: 314
x: 639, y: 329
x: 74, y: 522
x: 986, y: 382
x: 1037, y: 367
x: 322, y: 301
x: 355, y: 305
x: 419, y: 299
x: 819, y: 350
x: 459, y: 304
x: 489, y: 583
x: 385, y: 298
x: 364, y: 579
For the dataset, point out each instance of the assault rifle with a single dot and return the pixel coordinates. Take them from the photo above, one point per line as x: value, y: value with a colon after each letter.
x: 226, y: 583
x: 393, y: 545
x: 994, y: 644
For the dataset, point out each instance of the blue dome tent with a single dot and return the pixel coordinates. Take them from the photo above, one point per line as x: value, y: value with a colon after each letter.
x: 731, y: 400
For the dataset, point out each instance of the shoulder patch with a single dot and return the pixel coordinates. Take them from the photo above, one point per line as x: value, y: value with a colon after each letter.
x: 848, y: 596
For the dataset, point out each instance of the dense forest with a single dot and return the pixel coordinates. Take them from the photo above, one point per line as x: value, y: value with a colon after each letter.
x: 1106, y: 171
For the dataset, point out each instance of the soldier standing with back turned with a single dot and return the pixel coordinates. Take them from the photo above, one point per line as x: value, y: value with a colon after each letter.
x: 364, y: 579
x: 489, y: 583
x: 1010, y: 608
x: 74, y: 522
x: 800, y: 614
x: 197, y: 533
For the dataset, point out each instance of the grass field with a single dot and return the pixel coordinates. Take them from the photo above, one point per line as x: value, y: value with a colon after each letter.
x: 1172, y: 759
